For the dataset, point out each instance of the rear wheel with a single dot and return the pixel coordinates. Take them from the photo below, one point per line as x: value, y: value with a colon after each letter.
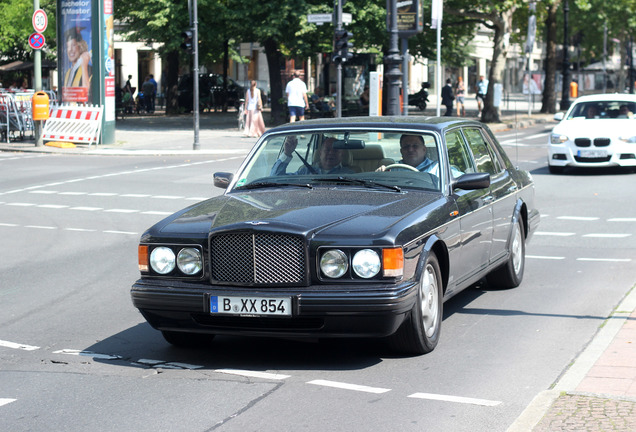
x: 419, y: 334
x: 510, y: 274
x: 421, y: 105
x: 187, y: 340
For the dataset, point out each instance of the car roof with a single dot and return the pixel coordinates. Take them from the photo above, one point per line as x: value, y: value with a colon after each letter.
x: 607, y: 97
x: 372, y: 122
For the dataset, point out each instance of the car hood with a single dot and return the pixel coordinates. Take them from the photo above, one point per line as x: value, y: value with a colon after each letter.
x: 596, y: 128
x: 324, y: 211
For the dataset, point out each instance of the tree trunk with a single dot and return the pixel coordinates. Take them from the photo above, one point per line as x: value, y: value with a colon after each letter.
x: 502, y: 26
x: 548, y: 104
x: 171, y: 77
x: 274, y: 63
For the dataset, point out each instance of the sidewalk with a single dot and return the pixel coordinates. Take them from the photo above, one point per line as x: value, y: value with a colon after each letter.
x: 598, y: 391
x: 157, y: 134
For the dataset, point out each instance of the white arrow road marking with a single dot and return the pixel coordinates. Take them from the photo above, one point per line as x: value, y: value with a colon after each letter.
x: 347, y: 386
x: 253, y: 374
x: 458, y: 399
x: 4, y: 401
x: 14, y: 345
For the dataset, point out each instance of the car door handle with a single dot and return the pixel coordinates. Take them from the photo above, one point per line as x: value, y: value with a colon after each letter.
x: 512, y: 188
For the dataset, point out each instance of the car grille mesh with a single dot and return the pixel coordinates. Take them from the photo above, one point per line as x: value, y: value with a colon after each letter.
x: 586, y: 142
x: 257, y: 258
x: 601, y: 142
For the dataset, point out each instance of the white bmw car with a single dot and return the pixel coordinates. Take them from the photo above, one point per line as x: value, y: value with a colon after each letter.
x: 597, y: 131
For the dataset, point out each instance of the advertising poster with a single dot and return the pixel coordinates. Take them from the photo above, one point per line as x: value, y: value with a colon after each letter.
x: 109, y: 61
x: 76, y: 50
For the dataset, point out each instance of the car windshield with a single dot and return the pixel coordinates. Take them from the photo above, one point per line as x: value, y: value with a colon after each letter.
x: 609, y: 109
x: 389, y: 161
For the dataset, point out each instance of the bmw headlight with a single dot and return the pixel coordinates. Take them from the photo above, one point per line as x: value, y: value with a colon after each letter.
x: 366, y: 263
x: 556, y: 138
x: 628, y: 139
x: 189, y: 261
x: 334, y: 263
x: 162, y: 260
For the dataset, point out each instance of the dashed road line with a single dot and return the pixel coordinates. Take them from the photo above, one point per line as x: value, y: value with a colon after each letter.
x: 253, y: 374
x: 578, y: 218
x: 14, y: 345
x: 554, y: 234
x: 545, y: 257
x: 605, y: 259
x: 72, y: 229
x: 458, y: 399
x: 347, y: 386
x: 606, y: 235
x: 5, y: 401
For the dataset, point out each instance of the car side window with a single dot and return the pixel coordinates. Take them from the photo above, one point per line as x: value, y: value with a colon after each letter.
x: 482, y: 155
x: 458, y: 154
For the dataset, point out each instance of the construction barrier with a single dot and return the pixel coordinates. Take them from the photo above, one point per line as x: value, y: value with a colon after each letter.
x: 78, y: 124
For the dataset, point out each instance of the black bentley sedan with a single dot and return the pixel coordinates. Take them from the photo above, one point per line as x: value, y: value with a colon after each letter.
x: 357, y: 227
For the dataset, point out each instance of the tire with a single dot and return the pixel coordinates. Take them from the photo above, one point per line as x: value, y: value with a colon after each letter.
x: 187, y: 340
x: 421, y: 105
x: 420, y: 332
x: 510, y: 274
x: 556, y: 169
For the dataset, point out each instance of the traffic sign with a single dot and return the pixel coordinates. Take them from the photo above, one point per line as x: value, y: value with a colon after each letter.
x: 320, y: 19
x: 40, y: 21
x: 36, y: 41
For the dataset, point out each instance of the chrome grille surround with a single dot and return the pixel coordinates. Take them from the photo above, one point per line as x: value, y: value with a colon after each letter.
x: 257, y: 258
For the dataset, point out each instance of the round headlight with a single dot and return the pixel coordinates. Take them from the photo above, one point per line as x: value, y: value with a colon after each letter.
x: 334, y: 263
x: 189, y: 261
x: 366, y: 263
x: 162, y: 260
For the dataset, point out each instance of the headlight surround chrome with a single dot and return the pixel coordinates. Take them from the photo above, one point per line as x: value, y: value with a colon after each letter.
x: 189, y: 261
x: 334, y: 263
x: 366, y: 263
x: 556, y: 138
x: 162, y: 260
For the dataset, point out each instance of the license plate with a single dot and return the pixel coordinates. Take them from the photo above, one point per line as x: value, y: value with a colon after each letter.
x: 230, y: 305
x: 592, y: 153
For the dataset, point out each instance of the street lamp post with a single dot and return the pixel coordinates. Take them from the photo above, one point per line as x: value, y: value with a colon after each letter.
x: 565, y: 94
x: 393, y: 61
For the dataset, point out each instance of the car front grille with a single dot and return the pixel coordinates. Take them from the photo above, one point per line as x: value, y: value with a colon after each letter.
x: 582, y: 142
x: 601, y: 142
x: 586, y: 142
x: 257, y: 258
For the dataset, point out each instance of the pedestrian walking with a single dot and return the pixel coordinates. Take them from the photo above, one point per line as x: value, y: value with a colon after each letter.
x: 154, y: 93
x: 297, y: 100
x: 481, y: 90
x: 254, y: 124
x: 460, y: 93
x: 447, y: 98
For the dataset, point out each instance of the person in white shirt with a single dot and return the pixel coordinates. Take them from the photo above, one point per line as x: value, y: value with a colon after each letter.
x: 297, y: 100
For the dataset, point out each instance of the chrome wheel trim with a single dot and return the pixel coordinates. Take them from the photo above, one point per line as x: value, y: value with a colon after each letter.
x: 517, y: 250
x: 429, y: 301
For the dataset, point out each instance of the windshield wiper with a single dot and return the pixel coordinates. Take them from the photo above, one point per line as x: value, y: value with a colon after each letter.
x: 362, y: 182
x: 259, y: 185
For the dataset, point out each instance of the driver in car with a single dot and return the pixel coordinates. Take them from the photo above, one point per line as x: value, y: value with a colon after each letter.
x: 413, y: 152
x: 329, y: 162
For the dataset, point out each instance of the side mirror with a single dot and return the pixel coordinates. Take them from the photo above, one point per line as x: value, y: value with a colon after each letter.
x: 472, y: 181
x: 559, y: 116
x: 223, y: 179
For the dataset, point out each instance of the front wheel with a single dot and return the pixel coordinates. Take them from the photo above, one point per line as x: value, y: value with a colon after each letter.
x: 510, y: 274
x: 419, y: 334
x: 421, y: 105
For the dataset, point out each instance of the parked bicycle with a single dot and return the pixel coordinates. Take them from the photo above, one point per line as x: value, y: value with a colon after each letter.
x: 241, y: 114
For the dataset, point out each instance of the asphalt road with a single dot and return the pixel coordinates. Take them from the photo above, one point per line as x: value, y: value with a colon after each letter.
x: 76, y: 356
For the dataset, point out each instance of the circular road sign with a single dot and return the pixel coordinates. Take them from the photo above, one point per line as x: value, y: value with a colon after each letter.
x: 36, y: 41
x: 40, y: 21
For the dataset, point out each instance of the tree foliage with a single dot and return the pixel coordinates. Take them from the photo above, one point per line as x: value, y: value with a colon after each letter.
x: 17, y: 26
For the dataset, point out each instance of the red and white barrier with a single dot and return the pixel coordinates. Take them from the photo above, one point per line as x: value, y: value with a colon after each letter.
x: 78, y: 124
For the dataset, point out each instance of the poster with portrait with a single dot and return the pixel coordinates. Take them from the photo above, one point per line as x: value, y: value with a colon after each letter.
x: 76, y: 50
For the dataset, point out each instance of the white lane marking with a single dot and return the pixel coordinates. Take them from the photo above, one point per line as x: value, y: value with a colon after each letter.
x: 578, y: 218
x: 160, y: 213
x: 87, y: 208
x: 346, y: 386
x: 53, y: 206
x: 458, y: 399
x: 87, y: 354
x: 605, y: 259
x: 197, y: 198
x: 120, y: 232
x: 556, y: 234
x: 121, y: 211
x: 545, y: 257
x: 253, y: 374
x: 625, y: 219
x: 79, y: 229
x: 539, y: 135
x: 102, y: 194
x: 46, y: 192
x: 40, y: 227
x: 20, y: 204
x: 608, y: 235
x: 171, y: 197
x: 8, y: 225
x: 135, y: 195
x: 73, y: 193
x: 14, y: 345
x: 5, y: 401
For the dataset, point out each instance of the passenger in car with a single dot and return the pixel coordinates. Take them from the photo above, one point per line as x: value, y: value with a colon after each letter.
x: 624, y: 112
x: 414, y: 152
x: 329, y: 161
x: 591, y: 112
